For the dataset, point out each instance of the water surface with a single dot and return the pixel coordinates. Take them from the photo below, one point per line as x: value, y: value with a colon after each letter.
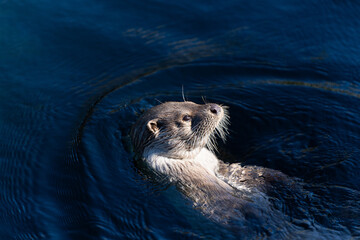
x: 74, y: 75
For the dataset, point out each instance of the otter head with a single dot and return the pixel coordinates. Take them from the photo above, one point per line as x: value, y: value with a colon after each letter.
x: 179, y: 130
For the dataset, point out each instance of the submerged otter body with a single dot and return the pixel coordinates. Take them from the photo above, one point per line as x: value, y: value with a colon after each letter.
x: 176, y: 140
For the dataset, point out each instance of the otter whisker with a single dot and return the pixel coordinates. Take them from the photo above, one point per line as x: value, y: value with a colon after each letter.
x: 158, y: 100
x: 204, y: 99
x: 182, y: 92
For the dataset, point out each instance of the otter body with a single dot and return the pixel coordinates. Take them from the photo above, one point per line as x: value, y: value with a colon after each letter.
x: 176, y: 139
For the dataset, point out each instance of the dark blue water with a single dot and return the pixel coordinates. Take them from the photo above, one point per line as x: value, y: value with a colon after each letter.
x: 75, y: 74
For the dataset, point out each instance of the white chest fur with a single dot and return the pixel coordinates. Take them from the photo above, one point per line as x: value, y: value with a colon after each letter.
x: 205, y: 160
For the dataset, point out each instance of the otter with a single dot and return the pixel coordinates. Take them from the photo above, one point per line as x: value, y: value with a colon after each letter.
x: 177, y: 140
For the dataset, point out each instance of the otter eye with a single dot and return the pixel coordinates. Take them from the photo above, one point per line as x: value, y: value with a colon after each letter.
x: 186, y: 118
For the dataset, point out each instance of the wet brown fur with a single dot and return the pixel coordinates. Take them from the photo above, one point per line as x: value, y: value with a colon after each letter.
x: 221, y: 192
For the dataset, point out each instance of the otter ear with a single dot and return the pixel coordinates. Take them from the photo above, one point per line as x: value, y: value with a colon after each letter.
x: 152, y: 125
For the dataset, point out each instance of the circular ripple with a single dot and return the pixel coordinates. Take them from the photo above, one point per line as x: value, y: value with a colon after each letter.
x: 274, y: 123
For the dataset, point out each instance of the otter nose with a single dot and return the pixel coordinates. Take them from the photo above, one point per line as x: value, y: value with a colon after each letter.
x: 215, y: 109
